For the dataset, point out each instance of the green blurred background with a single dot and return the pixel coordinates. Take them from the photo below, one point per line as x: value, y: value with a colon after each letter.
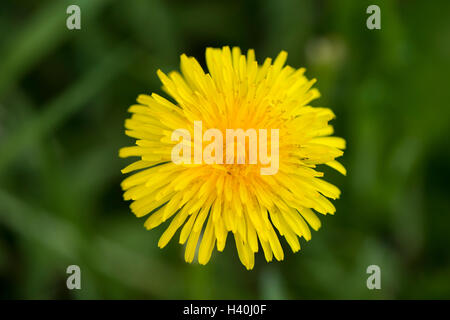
x: 63, y: 101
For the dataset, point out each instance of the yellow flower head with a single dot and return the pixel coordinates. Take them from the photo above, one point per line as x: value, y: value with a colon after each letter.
x: 232, y: 193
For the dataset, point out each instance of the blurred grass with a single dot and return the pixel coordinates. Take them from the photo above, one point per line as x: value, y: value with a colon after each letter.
x: 63, y: 100
x: 37, y: 127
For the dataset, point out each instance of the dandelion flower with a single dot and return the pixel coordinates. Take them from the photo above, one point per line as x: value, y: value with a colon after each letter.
x: 208, y: 201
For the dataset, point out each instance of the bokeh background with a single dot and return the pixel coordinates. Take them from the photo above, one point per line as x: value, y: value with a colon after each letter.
x: 63, y: 101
